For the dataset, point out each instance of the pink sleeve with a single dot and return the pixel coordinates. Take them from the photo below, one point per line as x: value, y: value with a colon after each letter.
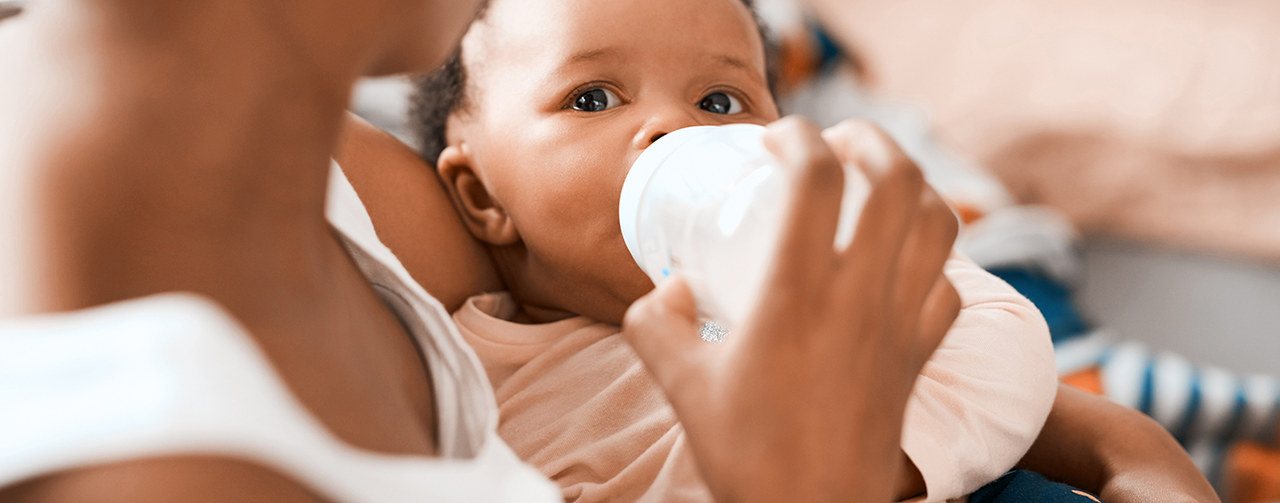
x: 981, y: 400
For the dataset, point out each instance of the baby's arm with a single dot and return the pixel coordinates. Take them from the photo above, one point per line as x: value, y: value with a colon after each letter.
x: 413, y: 215
x: 981, y: 400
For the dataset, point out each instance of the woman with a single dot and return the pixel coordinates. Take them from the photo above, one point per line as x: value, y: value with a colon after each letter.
x: 153, y: 146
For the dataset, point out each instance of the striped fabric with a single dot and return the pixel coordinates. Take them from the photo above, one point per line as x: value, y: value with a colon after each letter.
x: 1207, y: 409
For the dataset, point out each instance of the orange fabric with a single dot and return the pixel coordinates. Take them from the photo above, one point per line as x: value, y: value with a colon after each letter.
x: 968, y: 213
x: 1089, y: 379
x: 797, y: 61
x: 1254, y: 474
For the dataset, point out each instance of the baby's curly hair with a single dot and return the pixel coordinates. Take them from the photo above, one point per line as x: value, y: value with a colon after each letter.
x: 443, y: 92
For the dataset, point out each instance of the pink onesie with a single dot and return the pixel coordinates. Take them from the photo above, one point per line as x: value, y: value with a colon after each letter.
x: 576, y: 402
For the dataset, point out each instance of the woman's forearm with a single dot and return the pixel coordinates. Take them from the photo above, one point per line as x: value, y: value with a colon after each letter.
x: 413, y: 214
x: 1115, y: 452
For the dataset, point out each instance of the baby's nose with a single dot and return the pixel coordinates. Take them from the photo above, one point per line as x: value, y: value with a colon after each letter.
x: 664, y: 116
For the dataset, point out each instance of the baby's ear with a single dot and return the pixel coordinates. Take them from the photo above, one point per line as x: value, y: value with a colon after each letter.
x: 483, y: 216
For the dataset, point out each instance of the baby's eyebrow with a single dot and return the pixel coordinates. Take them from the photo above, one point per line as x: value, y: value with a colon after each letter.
x: 732, y: 61
x: 739, y: 65
x: 590, y: 55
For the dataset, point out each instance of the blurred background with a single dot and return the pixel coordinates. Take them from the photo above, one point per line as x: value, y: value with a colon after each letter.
x: 1154, y: 126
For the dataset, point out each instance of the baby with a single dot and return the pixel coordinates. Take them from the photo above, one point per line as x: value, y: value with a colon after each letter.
x: 533, y: 126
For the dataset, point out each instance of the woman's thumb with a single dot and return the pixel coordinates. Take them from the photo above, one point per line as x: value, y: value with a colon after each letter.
x: 662, y: 327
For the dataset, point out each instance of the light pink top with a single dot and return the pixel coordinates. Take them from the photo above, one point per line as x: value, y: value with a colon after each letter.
x: 577, y: 403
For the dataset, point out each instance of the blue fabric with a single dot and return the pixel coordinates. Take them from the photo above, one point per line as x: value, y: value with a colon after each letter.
x: 1147, y: 395
x: 828, y: 51
x: 1182, y: 431
x: 1052, y: 298
x: 1021, y: 486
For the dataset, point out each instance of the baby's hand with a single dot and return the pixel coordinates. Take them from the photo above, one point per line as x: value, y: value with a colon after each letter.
x: 804, y: 402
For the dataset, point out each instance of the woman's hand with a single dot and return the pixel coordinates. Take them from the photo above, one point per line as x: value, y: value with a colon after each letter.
x: 804, y: 402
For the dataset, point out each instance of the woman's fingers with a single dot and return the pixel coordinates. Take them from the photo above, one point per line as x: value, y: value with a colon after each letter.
x: 863, y: 146
x: 889, y: 212
x: 809, y: 227
x: 903, y: 238
x: 925, y: 252
x: 826, y: 357
x: 939, y: 311
x: 662, y: 327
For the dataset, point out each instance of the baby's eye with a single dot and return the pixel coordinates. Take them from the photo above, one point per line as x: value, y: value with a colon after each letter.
x: 720, y: 103
x: 595, y: 100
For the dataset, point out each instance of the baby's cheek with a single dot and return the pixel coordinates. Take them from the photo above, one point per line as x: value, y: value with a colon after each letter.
x: 566, y: 223
x: 575, y: 197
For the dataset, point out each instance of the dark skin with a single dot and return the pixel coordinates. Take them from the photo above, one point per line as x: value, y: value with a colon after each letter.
x: 1127, y: 455
x: 1087, y: 442
x: 152, y: 146
x: 397, y: 189
x: 214, y: 183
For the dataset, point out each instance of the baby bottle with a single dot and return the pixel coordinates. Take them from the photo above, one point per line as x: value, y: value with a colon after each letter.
x: 708, y: 202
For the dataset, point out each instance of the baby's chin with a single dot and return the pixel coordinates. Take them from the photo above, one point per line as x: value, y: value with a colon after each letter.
x: 634, y: 293
x: 607, y: 308
x: 613, y: 310
x: 601, y: 290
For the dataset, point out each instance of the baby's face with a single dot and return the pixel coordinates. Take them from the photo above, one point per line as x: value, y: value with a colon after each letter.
x: 565, y: 95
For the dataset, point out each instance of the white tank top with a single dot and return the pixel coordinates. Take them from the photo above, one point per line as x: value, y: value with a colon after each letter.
x: 174, y: 374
